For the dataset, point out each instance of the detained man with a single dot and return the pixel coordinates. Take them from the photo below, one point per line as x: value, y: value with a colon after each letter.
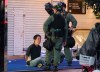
x: 34, y: 52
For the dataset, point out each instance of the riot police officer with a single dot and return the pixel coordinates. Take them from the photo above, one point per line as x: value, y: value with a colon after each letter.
x: 68, y: 18
x: 56, y: 32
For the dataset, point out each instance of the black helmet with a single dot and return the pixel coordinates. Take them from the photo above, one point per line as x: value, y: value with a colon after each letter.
x: 62, y: 4
x: 48, y: 8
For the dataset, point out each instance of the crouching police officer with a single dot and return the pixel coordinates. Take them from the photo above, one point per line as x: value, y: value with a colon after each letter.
x: 54, y: 29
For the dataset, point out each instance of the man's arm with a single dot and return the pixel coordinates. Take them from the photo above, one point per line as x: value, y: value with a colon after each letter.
x: 27, y: 53
x: 46, y: 24
x: 40, y: 49
x: 26, y: 57
x: 69, y: 18
x: 72, y: 19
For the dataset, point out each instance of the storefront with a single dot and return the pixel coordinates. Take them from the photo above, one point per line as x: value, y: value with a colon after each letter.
x: 26, y: 18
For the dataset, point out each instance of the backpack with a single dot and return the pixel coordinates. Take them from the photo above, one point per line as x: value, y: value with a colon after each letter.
x: 59, y: 25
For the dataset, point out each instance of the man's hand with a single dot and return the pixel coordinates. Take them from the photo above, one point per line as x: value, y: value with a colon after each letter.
x: 26, y: 58
x: 73, y: 29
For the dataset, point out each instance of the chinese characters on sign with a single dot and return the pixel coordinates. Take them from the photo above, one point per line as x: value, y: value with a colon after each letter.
x: 76, y: 7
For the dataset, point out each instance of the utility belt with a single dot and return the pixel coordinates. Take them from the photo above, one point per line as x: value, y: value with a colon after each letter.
x: 57, y: 33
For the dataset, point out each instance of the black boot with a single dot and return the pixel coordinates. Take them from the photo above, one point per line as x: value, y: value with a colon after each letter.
x: 55, y: 68
x: 47, y: 67
x: 70, y: 63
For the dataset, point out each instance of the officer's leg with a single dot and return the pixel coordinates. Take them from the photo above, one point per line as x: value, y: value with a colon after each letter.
x: 56, y: 57
x: 57, y: 51
x: 48, y: 58
x: 68, y: 55
x: 62, y: 56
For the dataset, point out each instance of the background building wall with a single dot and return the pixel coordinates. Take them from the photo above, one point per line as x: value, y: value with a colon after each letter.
x: 85, y: 21
x: 26, y: 18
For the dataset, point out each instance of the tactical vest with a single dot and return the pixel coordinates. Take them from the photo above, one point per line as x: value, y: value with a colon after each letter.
x: 59, y: 25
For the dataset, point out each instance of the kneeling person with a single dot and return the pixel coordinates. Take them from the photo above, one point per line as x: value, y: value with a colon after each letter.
x: 34, y: 51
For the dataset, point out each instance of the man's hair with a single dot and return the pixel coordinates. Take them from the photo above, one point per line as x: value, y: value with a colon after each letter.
x: 35, y: 36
